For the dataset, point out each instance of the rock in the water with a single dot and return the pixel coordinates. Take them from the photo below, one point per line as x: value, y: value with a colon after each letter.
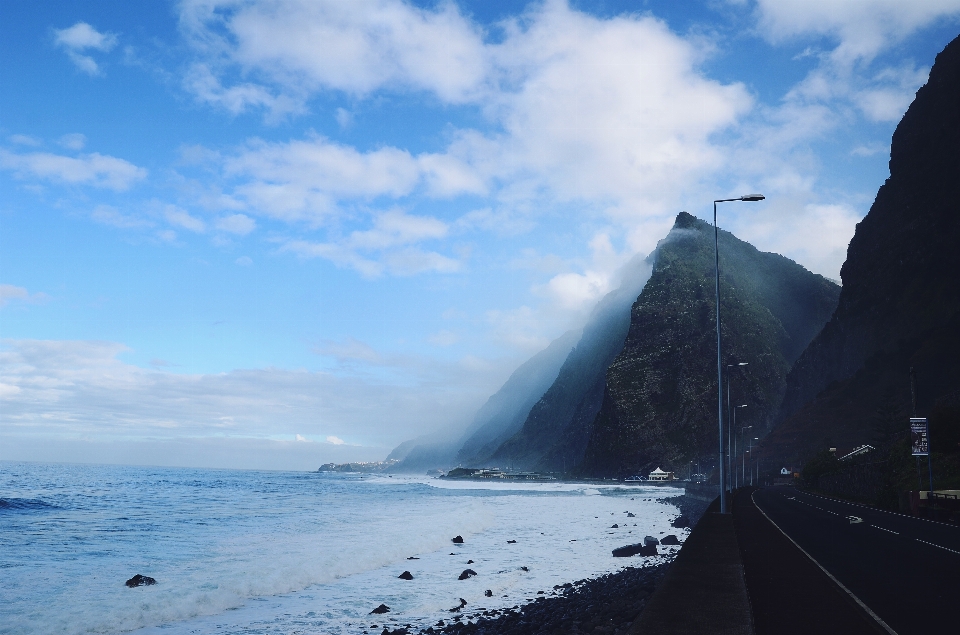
x: 524, y: 569
x: 615, y: 526
x: 511, y: 542
x: 488, y: 593
x: 631, y: 515
x: 469, y: 561
x: 140, y: 580
x: 383, y: 608
x: 670, y: 540
x: 467, y: 573
x: 680, y: 522
x: 412, y: 558
x: 458, y: 540
x: 406, y: 575
x: 463, y: 603
x: 650, y: 540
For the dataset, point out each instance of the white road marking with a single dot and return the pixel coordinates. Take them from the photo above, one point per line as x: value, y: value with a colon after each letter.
x: 896, y: 533
x: 859, y: 602
x: 940, y: 546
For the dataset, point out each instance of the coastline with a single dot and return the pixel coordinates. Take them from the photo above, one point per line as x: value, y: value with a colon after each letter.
x: 610, y: 603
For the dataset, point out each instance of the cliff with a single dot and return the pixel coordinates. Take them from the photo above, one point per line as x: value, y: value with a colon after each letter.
x: 659, y: 403
x: 900, y: 303
x: 555, y: 432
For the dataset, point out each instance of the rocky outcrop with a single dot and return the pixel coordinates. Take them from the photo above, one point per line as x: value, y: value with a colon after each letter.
x: 140, y: 580
x: 900, y: 304
x: 659, y: 404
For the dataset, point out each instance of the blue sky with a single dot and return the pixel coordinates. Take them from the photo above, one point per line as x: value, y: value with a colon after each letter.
x: 272, y: 234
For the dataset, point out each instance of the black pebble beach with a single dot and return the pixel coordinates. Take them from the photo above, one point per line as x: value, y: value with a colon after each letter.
x: 608, y: 604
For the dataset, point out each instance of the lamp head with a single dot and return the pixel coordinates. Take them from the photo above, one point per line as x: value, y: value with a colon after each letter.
x: 743, y: 363
x: 752, y: 197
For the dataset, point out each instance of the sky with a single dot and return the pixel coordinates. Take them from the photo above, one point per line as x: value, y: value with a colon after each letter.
x: 272, y: 234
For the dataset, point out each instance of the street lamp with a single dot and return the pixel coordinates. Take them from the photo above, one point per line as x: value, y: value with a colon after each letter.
x: 716, y: 247
x: 743, y: 459
x: 751, y: 459
x: 733, y: 468
x: 730, y: 464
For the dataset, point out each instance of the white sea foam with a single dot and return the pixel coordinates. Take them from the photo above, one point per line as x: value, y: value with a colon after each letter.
x: 266, y: 552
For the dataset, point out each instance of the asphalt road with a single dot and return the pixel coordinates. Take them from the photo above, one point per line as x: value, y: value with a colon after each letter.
x: 905, y: 570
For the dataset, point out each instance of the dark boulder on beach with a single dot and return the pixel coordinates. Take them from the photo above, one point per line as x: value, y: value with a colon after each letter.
x: 457, y: 541
x: 633, y: 550
x: 650, y: 541
x: 467, y: 573
x: 488, y: 593
x: 670, y: 540
x: 406, y: 575
x: 680, y: 522
x: 140, y: 580
x: 627, y: 551
x: 383, y: 608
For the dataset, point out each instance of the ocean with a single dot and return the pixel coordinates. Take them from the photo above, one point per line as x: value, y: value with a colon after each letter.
x: 295, y: 552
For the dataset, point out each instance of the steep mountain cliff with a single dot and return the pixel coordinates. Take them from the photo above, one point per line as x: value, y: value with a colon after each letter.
x: 659, y: 403
x: 555, y: 432
x: 504, y: 413
x: 900, y: 304
x: 497, y: 420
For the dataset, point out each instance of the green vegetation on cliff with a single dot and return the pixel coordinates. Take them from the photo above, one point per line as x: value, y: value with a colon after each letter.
x: 659, y: 404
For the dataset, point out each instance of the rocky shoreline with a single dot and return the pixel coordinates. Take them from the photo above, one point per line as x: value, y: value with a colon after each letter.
x: 608, y: 604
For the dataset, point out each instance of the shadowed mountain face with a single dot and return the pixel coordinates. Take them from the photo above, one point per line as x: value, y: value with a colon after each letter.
x: 659, y: 405
x: 504, y: 413
x: 900, y: 304
x: 555, y: 432
x: 497, y: 420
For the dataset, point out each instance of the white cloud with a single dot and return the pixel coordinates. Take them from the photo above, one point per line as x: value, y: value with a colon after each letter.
x: 388, y: 246
x: 68, y: 389
x: 301, y: 181
x: 334, y: 440
x: 180, y: 218
x: 87, y: 169
x: 239, y: 224
x: 356, y: 47
x: 10, y: 293
x: 82, y: 37
x: 816, y: 235
x: 862, y: 28
x: 73, y: 141
x: 444, y: 338
x: 25, y: 140
x: 108, y: 215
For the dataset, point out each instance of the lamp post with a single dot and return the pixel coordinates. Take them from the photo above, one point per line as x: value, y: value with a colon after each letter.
x: 716, y: 247
x: 730, y: 454
x: 734, y: 469
x: 743, y: 457
x: 751, y: 458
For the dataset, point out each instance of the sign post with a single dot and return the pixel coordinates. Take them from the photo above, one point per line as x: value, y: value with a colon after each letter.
x: 920, y: 442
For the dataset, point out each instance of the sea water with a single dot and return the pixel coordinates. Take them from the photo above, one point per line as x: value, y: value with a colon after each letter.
x: 294, y: 552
